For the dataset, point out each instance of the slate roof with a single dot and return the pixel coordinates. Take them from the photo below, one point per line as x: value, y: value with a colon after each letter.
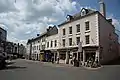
x: 78, y: 16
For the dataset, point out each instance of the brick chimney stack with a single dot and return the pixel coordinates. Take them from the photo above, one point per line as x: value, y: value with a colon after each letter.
x: 102, y: 8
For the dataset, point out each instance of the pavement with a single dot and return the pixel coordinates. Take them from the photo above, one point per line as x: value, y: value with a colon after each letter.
x: 21, y: 69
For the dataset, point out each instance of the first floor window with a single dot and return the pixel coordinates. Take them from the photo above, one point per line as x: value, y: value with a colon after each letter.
x: 77, y: 40
x: 47, y: 44
x: 70, y: 30
x: 39, y: 47
x: 63, y: 31
x: 55, y: 43
x: 70, y: 41
x: 78, y: 28
x: 87, y: 25
x: 51, y: 43
x: 63, y: 42
x: 87, y: 38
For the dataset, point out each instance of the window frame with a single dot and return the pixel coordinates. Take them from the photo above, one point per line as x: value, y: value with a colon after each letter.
x: 70, y: 41
x: 87, y: 39
x: 77, y: 30
x: 55, y: 43
x: 51, y: 43
x: 63, y: 42
x: 77, y: 40
x: 63, y: 31
x: 70, y: 30
x: 47, y: 44
x: 87, y: 25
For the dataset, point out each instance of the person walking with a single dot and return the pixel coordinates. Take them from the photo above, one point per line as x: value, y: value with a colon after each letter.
x: 74, y: 61
x: 57, y: 60
x: 52, y: 59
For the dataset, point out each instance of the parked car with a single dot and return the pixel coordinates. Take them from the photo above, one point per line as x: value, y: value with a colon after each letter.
x: 2, y: 61
x: 23, y: 57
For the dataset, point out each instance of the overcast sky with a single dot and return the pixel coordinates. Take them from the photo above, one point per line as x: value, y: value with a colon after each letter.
x: 24, y: 19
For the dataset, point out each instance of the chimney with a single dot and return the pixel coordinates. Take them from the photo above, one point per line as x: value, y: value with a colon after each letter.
x: 38, y: 34
x: 110, y: 20
x: 102, y: 8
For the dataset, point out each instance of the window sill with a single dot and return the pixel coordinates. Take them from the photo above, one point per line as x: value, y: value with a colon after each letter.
x: 70, y: 34
x: 78, y: 33
x: 87, y: 31
x: 63, y: 36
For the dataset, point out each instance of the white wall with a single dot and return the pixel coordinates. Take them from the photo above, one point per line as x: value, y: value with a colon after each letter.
x: 35, y: 50
x: 93, y: 32
x: 52, y: 38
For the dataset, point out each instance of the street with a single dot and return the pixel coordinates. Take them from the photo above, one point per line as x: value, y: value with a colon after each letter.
x: 21, y: 69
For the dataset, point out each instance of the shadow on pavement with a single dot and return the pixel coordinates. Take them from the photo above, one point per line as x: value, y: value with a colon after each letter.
x: 114, y: 62
x: 14, y: 67
x: 9, y: 63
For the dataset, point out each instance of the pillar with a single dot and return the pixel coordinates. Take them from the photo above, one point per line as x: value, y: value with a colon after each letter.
x: 54, y: 56
x: 58, y: 56
x: 83, y: 56
x: 67, y: 58
x: 78, y: 55
x: 97, y: 55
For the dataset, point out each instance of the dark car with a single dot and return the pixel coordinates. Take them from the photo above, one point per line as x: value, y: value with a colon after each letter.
x: 2, y: 61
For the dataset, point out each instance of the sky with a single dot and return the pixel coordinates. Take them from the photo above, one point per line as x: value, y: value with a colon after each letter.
x: 24, y: 19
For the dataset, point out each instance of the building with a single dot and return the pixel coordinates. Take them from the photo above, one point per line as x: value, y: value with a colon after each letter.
x: 36, y: 47
x: 3, y: 36
x: 28, y: 49
x: 95, y: 32
x: 89, y: 27
x: 52, y: 43
x: 22, y: 50
x: 14, y: 49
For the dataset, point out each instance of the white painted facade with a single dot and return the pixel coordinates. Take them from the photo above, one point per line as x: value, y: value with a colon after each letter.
x: 36, y: 49
x: 103, y: 41
x: 52, y: 38
x: 99, y: 32
x: 93, y: 32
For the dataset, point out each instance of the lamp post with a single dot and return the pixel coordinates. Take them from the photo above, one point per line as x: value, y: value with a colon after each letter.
x: 79, y: 50
x: 67, y: 55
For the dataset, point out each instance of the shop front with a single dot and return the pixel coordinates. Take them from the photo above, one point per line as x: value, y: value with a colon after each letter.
x: 89, y: 54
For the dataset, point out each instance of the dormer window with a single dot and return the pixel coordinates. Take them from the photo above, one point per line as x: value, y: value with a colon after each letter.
x: 83, y: 12
x: 69, y: 17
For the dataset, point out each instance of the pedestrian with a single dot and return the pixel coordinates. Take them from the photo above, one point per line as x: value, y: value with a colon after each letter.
x: 74, y: 60
x: 57, y: 60
x: 53, y: 59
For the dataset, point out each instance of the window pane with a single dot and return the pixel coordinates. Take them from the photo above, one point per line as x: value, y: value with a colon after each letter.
x: 55, y: 43
x: 63, y: 31
x: 47, y: 44
x: 87, y: 25
x: 70, y: 41
x: 87, y: 39
x: 77, y: 40
x: 63, y: 42
x: 78, y: 27
x: 70, y: 30
x: 51, y: 43
x: 39, y: 47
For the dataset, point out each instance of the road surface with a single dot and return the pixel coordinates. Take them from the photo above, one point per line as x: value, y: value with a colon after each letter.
x: 33, y: 70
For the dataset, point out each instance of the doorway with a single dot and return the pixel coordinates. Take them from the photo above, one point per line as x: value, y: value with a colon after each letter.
x: 90, y: 56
